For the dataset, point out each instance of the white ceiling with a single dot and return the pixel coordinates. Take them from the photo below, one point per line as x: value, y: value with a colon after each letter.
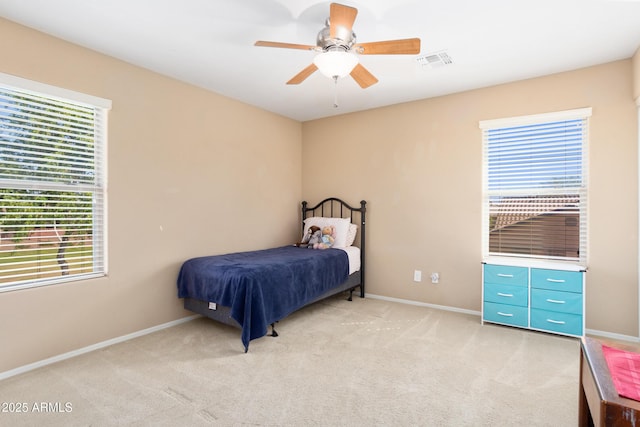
x: 209, y: 43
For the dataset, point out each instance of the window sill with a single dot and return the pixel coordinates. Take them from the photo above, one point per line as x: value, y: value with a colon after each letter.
x: 57, y: 281
x: 535, y: 263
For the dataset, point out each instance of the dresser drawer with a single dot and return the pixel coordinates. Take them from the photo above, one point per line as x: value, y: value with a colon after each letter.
x: 506, y: 294
x: 563, y: 302
x: 564, y: 323
x: 506, y: 275
x: 505, y: 313
x: 557, y: 280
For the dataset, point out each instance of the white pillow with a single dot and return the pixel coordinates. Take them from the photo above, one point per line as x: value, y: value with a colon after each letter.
x: 351, y: 235
x: 341, y: 226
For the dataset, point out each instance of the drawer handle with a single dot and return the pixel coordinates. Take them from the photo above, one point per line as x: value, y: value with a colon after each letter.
x: 556, y: 280
x: 557, y: 322
x: 505, y: 275
x: 505, y: 314
x: 500, y: 294
x: 555, y: 301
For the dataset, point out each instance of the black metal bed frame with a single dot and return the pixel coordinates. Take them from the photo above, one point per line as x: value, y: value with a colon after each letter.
x: 336, y: 208
x: 332, y: 207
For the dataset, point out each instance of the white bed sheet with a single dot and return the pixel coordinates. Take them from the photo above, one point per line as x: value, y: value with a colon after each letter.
x: 353, y: 252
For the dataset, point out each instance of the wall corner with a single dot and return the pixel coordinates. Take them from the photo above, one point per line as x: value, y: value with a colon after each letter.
x: 635, y: 67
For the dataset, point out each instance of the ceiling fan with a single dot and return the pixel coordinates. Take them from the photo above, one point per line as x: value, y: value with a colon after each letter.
x: 337, y: 47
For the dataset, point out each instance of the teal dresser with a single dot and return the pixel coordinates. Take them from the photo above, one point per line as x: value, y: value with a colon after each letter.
x: 544, y: 299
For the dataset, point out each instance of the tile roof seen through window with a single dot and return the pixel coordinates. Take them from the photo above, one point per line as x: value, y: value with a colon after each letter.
x: 512, y: 210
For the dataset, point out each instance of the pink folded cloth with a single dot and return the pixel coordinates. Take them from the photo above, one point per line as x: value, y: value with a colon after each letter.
x: 624, y: 367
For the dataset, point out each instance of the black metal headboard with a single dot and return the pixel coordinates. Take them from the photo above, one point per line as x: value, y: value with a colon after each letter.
x: 337, y: 208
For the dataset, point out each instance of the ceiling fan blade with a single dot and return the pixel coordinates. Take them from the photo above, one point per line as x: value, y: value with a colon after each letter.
x: 302, y: 75
x: 389, y: 47
x: 285, y: 45
x: 341, y: 17
x: 363, y: 77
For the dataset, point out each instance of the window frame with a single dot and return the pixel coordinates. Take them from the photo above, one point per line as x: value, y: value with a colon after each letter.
x: 100, y: 107
x: 488, y: 126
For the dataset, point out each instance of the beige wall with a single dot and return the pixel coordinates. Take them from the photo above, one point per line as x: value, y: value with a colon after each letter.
x: 187, y: 176
x: 636, y: 75
x: 419, y: 167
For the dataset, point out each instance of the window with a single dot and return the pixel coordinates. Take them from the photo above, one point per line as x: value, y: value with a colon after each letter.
x: 52, y: 184
x: 535, y: 186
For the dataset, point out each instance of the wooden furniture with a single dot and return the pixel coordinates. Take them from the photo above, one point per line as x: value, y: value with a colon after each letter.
x: 546, y: 297
x: 599, y: 402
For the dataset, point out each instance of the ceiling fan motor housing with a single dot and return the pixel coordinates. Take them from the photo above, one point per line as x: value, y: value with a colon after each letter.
x: 345, y: 38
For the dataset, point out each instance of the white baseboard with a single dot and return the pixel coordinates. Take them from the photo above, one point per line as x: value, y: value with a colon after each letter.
x: 424, y: 304
x: 593, y: 332
x: 78, y: 352
x: 611, y: 335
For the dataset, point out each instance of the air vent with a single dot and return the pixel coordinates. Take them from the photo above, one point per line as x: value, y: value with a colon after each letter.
x: 434, y: 60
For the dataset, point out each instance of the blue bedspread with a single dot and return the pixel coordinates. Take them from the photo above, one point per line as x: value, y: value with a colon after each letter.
x: 262, y: 287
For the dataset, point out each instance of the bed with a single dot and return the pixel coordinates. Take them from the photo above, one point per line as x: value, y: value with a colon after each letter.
x: 252, y: 290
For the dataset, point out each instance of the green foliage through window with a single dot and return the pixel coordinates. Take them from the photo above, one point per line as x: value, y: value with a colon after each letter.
x: 51, y: 188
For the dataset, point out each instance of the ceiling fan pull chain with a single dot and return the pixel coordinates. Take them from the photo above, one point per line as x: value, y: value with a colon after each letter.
x: 335, y: 91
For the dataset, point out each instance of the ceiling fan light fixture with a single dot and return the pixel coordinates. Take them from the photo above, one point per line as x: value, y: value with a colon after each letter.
x: 335, y: 63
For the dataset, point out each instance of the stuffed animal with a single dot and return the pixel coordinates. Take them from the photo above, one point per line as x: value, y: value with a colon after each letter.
x: 326, y: 239
x: 312, y: 237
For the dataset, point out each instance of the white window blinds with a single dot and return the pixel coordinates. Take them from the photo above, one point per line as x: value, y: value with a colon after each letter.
x: 52, y: 188
x: 535, y: 186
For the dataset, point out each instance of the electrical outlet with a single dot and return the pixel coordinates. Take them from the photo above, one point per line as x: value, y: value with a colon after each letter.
x: 417, y: 276
x: 435, y: 277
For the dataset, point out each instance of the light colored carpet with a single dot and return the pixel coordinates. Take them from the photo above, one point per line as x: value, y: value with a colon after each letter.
x: 337, y: 363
